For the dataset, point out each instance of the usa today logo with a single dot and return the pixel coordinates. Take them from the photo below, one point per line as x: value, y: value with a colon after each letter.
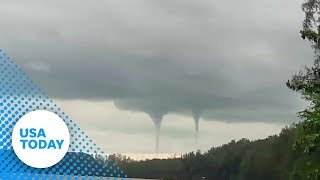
x: 40, y: 139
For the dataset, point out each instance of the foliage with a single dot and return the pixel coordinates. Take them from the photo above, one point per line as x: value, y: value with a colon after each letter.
x: 270, y: 158
x: 307, y: 82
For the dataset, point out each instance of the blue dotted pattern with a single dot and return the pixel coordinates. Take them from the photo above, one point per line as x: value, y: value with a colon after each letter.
x: 20, y: 95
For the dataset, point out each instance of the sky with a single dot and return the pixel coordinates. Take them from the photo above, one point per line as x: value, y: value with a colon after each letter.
x: 117, y: 67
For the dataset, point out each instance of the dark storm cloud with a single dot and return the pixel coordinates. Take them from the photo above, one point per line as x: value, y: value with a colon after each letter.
x: 227, y: 60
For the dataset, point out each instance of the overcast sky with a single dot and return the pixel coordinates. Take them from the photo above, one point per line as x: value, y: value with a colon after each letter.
x: 112, y: 64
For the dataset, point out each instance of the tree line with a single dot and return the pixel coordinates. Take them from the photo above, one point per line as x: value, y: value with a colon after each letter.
x: 272, y: 158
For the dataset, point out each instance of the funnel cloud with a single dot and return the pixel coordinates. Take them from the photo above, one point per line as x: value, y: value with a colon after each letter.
x: 196, y: 117
x: 157, y: 119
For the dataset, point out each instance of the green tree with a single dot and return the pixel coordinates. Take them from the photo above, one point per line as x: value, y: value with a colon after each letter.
x: 307, y: 82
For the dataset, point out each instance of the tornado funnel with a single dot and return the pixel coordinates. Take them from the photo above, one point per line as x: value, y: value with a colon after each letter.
x: 157, y: 119
x: 196, y: 117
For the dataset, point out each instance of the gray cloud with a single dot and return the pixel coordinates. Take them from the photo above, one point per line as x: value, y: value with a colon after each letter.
x: 229, y: 60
